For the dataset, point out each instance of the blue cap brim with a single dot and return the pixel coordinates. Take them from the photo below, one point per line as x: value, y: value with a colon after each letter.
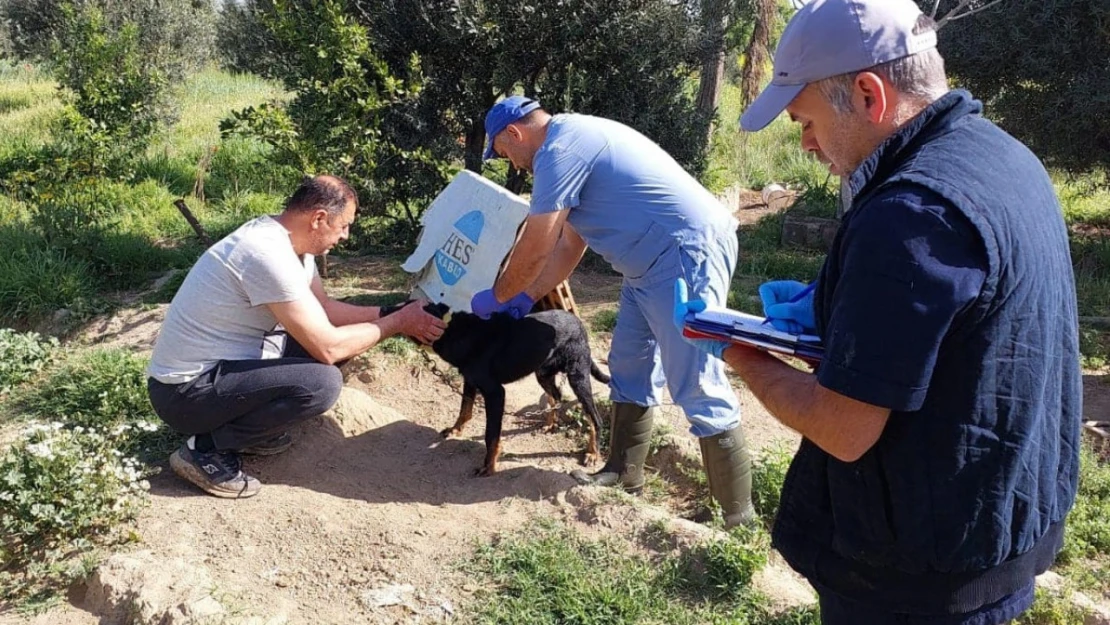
x: 490, y: 154
x: 768, y: 106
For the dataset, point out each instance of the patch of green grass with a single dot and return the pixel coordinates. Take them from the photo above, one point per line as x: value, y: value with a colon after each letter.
x: 722, y: 570
x: 205, y: 99
x: 1091, y: 258
x: 548, y: 574
x: 604, y: 320
x: 1085, y: 558
x: 763, y: 258
x: 37, y: 279
x: 377, y: 299
x: 101, y: 388
x: 768, y: 472
x: 754, y: 160
x: 28, y: 103
x: 1052, y: 608
x: 399, y: 346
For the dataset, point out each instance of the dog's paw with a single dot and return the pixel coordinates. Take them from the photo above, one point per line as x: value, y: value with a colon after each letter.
x: 590, y: 458
x: 450, y: 433
x: 550, y: 428
x: 485, y: 471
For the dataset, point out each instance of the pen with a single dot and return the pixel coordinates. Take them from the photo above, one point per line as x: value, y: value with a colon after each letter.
x: 797, y: 298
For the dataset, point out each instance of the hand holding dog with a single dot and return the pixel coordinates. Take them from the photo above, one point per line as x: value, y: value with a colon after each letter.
x: 484, y: 303
x: 415, y: 322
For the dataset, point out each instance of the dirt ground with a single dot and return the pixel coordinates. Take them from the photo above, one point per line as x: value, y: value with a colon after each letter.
x: 371, y: 496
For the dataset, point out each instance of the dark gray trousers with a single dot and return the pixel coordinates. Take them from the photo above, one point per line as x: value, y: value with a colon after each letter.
x: 244, y: 402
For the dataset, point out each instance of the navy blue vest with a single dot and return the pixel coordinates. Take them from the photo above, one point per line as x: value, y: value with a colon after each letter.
x: 962, y: 502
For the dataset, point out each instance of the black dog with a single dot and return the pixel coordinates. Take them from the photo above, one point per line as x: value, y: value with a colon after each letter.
x: 494, y: 352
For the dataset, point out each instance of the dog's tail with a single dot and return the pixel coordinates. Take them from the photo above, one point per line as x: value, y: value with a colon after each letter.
x: 598, y: 374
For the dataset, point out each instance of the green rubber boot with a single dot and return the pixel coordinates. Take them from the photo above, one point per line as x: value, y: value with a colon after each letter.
x: 629, y: 438
x: 728, y: 467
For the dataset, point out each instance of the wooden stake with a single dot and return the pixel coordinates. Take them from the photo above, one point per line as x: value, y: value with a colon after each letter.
x: 189, y: 217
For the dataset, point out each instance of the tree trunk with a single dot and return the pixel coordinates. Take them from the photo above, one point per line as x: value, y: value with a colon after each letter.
x: 475, y: 145
x: 514, y: 182
x: 758, y: 53
x: 476, y: 134
x: 715, y: 14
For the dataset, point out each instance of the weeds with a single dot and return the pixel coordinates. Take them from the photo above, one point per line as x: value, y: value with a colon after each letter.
x: 1052, y: 608
x: 102, y: 389
x: 1087, y: 541
x: 548, y: 574
x: 604, y: 320
x: 768, y: 474
x: 22, y: 356
x: 65, y: 493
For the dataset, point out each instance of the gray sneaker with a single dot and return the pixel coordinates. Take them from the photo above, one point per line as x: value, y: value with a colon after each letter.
x: 217, y: 473
x: 269, y: 447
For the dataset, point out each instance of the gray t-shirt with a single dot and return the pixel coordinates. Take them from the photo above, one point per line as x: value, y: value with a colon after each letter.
x: 220, y: 311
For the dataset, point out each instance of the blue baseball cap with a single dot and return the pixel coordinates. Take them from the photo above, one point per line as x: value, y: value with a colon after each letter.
x: 504, y: 113
x: 826, y: 38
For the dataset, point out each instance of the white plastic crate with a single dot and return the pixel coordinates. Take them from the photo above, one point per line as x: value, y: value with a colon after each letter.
x: 467, y: 232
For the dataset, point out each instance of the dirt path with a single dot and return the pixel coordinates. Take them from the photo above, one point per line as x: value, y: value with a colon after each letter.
x: 371, y: 496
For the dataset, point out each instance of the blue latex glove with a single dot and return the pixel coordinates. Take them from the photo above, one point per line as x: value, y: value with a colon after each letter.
x: 519, y: 306
x: 484, y: 304
x: 682, y: 306
x: 785, y: 309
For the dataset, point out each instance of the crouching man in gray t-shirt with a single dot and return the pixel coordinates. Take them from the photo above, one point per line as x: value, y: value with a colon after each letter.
x: 250, y: 341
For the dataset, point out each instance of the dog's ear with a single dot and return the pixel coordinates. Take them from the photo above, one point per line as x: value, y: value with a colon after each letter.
x: 437, y: 310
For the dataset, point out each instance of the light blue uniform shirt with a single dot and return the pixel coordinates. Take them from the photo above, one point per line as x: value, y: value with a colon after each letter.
x: 630, y: 200
x: 640, y: 210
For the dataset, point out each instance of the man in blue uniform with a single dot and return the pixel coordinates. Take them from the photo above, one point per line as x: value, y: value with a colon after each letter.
x: 602, y: 184
x: 940, y: 432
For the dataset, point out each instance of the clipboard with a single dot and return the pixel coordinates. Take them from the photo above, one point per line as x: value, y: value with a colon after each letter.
x: 724, y: 324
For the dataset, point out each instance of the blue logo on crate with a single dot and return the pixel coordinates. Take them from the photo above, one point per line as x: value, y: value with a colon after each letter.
x: 454, y: 256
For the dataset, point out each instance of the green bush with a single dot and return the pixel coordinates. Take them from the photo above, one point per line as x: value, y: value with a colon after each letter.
x: 118, y: 91
x: 179, y: 33
x: 1041, y: 69
x: 63, y: 493
x: 243, y: 42
x: 350, y: 113
x: 604, y: 320
x: 103, y: 389
x: 22, y: 355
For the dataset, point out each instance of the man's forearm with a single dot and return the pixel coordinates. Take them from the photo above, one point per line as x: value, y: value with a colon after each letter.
x: 841, y: 426
x: 537, y: 242
x: 355, y: 338
x: 566, y: 256
x: 343, y: 314
x: 519, y: 275
x: 785, y: 391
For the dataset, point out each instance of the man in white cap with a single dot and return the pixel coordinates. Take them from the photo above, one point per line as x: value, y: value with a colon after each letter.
x: 941, y: 430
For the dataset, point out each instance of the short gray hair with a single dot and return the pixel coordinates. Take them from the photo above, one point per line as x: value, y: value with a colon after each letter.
x: 919, y: 75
